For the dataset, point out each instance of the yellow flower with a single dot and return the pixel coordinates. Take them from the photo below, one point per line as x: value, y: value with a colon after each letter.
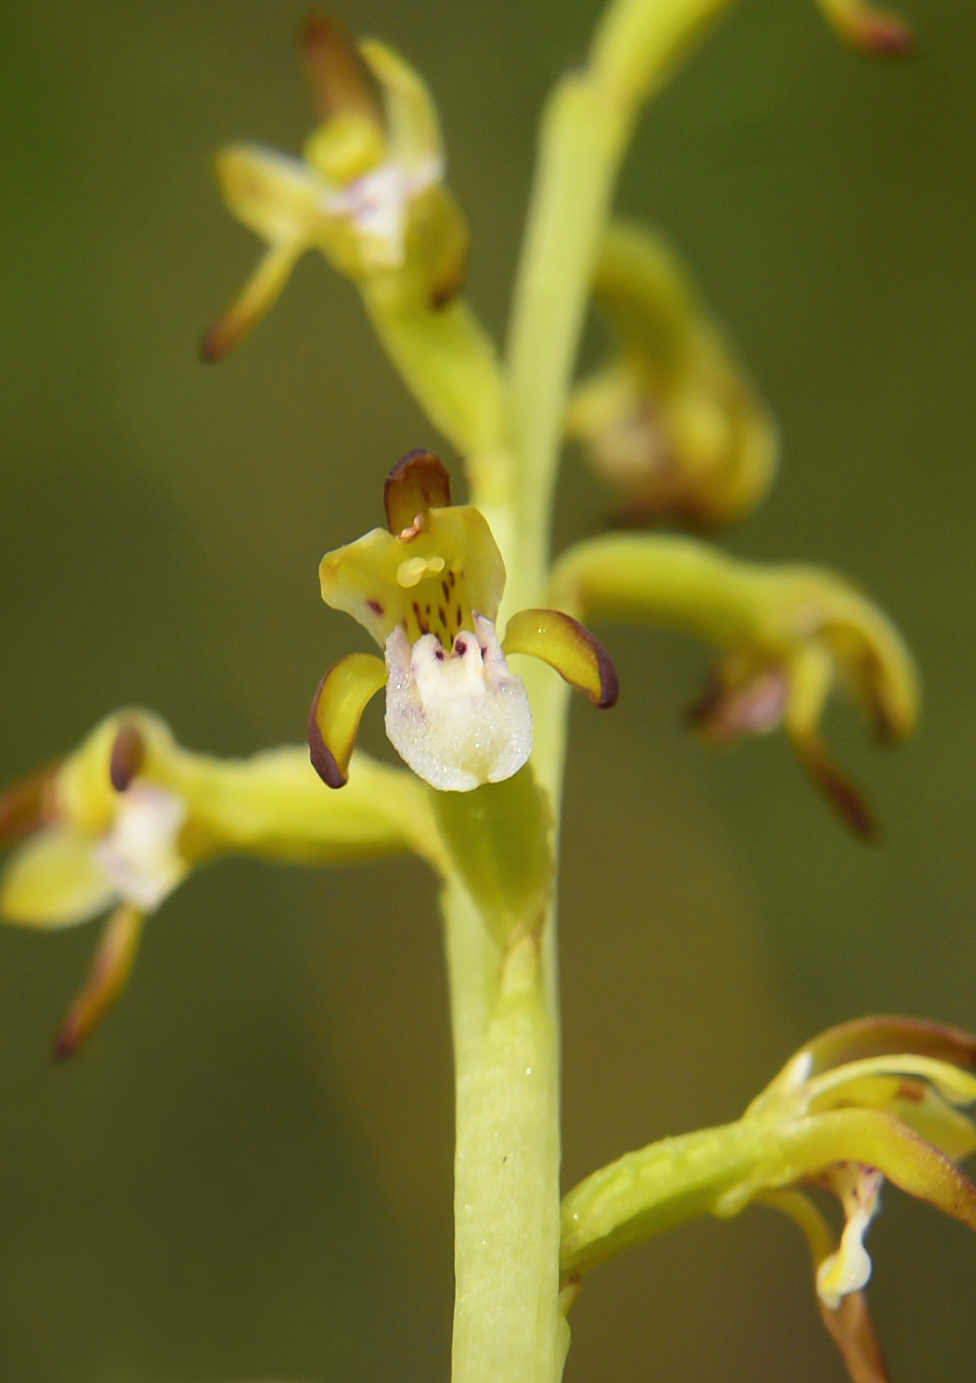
x: 671, y: 422
x: 368, y: 192
x: 787, y: 636
x: 873, y: 1099
x: 427, y: 588
x: 120, y: 823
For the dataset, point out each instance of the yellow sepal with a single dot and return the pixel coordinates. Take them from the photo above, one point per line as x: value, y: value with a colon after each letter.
x: 567, y: 646
x: 337, y: 708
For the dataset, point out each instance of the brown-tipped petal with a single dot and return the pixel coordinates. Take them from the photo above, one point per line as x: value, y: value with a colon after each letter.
x: 567, y: 646
x: 340, y: 81
x: 841, y: 793
x: 878, y: 33
x: 417, y: 483
x: 24, y: 806
x: 128, y: 756
x: 106, y: 980
x: 337, y: 708
x: 890, y: 1035
x: 852, y: 1331
x: 259, y: 295
x: 850, y: 1325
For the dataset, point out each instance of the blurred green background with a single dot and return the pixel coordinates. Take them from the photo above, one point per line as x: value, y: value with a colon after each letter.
x: 247, y: 1175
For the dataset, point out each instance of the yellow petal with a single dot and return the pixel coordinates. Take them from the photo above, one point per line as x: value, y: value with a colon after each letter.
x: 337, y: 709
x: 108, y: 976
x: 277, y: 197
x: 369, y: 580
x: 252, y: 305
x: 52, y: 880
x: 565, y: 645
x: 412, y: 121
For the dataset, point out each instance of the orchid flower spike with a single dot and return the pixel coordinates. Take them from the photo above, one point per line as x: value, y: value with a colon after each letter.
x: 119, y: 824
x: 880, y: 1098
x: 427, y: 589
x: 671, y: 422
x: 368, y: 191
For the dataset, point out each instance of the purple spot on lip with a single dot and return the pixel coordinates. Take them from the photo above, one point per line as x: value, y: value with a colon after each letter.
x: 460, y: 647
x: 375, y: 606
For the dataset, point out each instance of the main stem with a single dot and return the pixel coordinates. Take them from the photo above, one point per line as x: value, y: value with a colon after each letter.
x: 505, y: 1008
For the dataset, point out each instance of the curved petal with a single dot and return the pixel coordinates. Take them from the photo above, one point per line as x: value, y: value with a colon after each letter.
x: 252, y: 304
x: 277, y: 197
x: 108, y: 976
x: 428, y: 581
x: 340, y: 81
x: 53, y: 880
x: 811, y: 678
x: 414, y: 129
x: 337, y: 708
x: 567, y: 646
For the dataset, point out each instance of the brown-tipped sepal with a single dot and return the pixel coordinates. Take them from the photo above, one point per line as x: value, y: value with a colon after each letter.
x: 106, y: 980
x: 340, y: 81
x: 890, y: 1035
x: 128, y: 756
x: 417, y: 483
x: 26, y: 805
x: 570, y: 648
x: 840, y: 791
x: 867, y: 29
x: 337, y: 708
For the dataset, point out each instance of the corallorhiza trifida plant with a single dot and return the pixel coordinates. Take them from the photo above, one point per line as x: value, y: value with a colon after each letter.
x: 479, y: 635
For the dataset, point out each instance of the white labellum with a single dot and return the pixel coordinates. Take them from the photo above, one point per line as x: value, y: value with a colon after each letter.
x: 139, y: 854
x: 459, y: 719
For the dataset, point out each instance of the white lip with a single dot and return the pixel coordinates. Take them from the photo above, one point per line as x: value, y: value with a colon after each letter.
x: 139, y: 855
x: 458, y: 719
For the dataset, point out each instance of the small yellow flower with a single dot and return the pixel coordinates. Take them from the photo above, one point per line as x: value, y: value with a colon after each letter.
x: 368, y: 192
x: 880, y: 1098
x: 120, y: 823
x: 787, y: 635
x: 427, y: 588
x: 671, y: 422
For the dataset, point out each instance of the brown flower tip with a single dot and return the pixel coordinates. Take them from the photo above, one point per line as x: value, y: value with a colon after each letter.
x: 340, y: 81
x: 107, y: 978
x: 891, y: 1035
x: 25, y: 806
x: 881, y: 35
x: 128, y: 756
x: 417, y: 483
x: 606, y: 669
x: 852, y: 1330
x: 841, y: 793
x: 322, y: 758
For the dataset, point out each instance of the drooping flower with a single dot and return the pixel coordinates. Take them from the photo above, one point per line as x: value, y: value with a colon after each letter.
x: 120, y: 823
x: 368, y: 191
x: 427, y: 589
x: 787, y: 636
x: 880, y: 1098
x: 671, y: 422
